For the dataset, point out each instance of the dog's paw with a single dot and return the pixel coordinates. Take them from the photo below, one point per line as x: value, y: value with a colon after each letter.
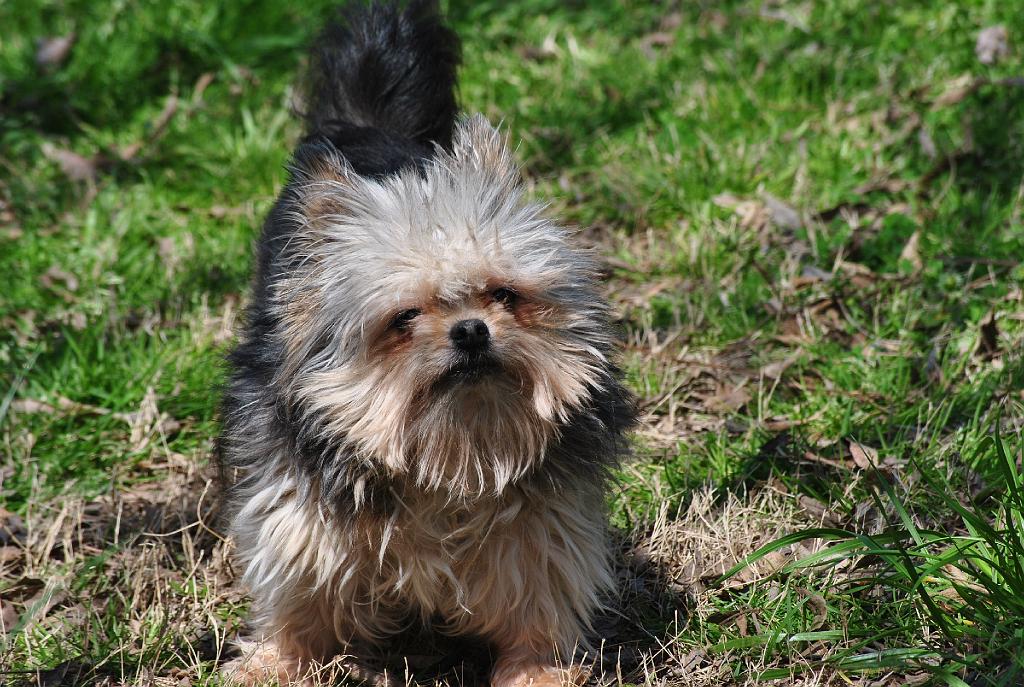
x: 536, y: 675
x: 262, y: 664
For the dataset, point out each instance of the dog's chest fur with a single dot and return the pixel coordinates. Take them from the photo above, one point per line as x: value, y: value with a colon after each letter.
x: 429, y: 550
x: 465, y: 567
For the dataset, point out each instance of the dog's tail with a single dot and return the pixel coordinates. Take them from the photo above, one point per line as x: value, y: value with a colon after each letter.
x: 386, y: 66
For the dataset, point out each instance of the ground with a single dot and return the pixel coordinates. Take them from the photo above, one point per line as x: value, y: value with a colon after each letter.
x: 810, y: 216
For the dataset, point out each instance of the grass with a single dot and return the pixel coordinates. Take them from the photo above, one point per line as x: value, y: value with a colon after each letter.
x: 811, y: 214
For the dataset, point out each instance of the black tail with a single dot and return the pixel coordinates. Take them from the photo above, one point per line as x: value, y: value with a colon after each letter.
x: 386, y: 67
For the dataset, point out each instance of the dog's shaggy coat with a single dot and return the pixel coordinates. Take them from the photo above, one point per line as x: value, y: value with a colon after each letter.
x: 385, y: 469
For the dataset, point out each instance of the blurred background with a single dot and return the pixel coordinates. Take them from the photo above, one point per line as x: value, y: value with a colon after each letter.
x: 810, y: 217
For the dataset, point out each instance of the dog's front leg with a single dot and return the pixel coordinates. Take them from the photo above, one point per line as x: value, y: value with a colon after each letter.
x: 534, y: 584
x: 521, y: 667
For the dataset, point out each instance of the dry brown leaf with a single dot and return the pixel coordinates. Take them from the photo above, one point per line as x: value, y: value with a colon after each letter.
x: 864, y: 457
x: 752, y: 214
x: 25, y: 588
x: 30, y: 405
x: 55, y: 274
x: 202, y: 83
x: 816, y: 602
x: 859, y: 275
x: 741, y: 624
x: 53, y: 51
x: 781, y: 214
x: 779, y: 424
x: 9, y: 554
x: 658, y: 39
x: 728, y: 400
x: 777, y: 369
x: 157, y: 129
x: 911, y: 251
x: 927, y: 143
x: 75, y: 166
x: 9, y: 615
x: 813, y: 457
x: 988, y: 337
x: 958, y: 89
x: 884, y: 185
x: 12, y: 528
x: 993, y: 44
x: 766, y: 566
x: 818, y: 510
x: 727, y: 201
x: 167, y: 249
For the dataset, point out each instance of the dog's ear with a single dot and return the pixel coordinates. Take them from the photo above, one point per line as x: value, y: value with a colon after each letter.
x: 481, y: 147
x: 320, y: 177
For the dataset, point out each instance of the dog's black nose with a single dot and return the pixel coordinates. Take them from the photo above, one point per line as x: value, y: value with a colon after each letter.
x: 470, y: 335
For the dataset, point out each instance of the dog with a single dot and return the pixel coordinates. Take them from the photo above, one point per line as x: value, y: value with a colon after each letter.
x: 424, y: 403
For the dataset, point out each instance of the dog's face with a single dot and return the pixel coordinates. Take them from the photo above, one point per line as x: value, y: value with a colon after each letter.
x: 433, y: 322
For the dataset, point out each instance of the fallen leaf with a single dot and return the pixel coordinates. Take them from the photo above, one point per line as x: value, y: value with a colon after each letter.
x: 75, y: 166
x: 167, y: 249
x: 766, y: 566
x: 165, y: 116
x: 157, y: 129
x: 9, y: 554
x: 658, y: 39
x: 816, y: 603
x: 958, y: 89
x: 66, y: 405
x: 988, y: 337
x: 863, y: 456
x: 547, y: 50
x: 775, y: 370
x: 813, y: 457
x: 202, y: 83
x: 782, y: 215
x: 8, y: 616
x: 671, y: 21
x: 728, y: 400
x: 53, y: 51
x: 993, y: 44
x: 752, y: 214
x: 911, y: 253
x: 812, y: 274
x: 12, y: 528
x: 55, y: 274
x: 818, y: 510
x: 24, y: 589
x: 885, y: 185
x: 927, y: 143
x: 75, y: 320
x: 726, y: 200
x: 741, y: 624
x: 779, y: 424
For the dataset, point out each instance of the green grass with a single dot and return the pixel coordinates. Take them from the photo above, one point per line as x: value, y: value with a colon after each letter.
x: 761, y: 342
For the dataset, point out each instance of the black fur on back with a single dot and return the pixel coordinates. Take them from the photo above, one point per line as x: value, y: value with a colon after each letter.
x: 381, y: 84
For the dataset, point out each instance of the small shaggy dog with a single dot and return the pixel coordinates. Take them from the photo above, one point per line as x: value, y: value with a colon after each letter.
x: 423, y: 405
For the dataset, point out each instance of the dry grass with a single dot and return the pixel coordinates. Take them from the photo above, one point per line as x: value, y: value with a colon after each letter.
x: 151, y: 559
x: 139, y: 580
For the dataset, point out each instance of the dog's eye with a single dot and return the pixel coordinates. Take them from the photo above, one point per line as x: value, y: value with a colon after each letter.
x: 505, y: 296
x: 403, y: 319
